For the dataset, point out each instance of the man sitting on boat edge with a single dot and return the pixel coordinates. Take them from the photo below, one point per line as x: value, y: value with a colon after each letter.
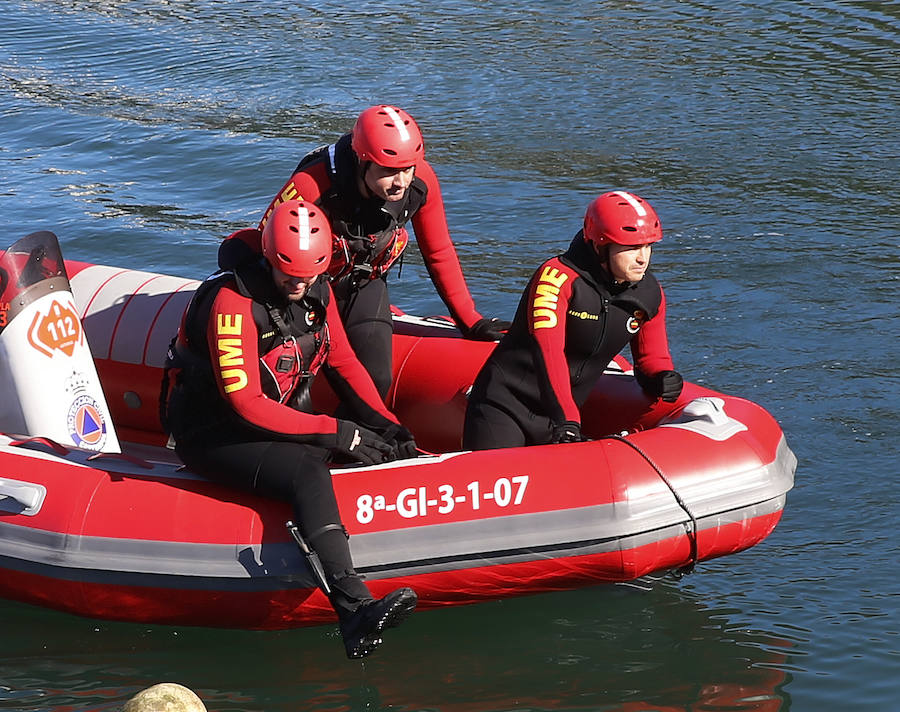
x: 249, y: 346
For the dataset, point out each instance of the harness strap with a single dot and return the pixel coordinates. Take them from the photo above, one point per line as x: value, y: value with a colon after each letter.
x: 312, y: 558
x: 278, y: 320
x: 327, y: 528
x: 165, y: 386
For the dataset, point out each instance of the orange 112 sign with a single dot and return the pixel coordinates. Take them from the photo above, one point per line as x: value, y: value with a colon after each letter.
x: 59, y: 329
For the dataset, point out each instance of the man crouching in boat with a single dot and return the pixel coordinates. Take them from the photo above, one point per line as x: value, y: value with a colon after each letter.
x: 371, y: 182
x: 579, y: 310
x: 248, y: 349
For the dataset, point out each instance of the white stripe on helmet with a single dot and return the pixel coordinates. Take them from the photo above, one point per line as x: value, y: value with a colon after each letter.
x: 398, y: 122
x: 303, y: 227
x: 632, y: 201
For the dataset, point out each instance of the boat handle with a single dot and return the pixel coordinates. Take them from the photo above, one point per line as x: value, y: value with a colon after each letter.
x: 21, y: 497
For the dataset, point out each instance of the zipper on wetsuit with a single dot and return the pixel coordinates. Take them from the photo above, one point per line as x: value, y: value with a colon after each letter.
x: 604, y: 312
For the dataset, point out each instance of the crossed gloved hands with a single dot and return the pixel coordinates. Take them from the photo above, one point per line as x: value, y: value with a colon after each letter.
x: 486, y: 329
x: 666, y: 385
x: 360, y: 444
x: 402, y: 441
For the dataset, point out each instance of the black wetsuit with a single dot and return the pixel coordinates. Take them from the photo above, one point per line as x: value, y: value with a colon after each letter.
x: 571, y: 321
x: 243, y: 417
x: 370, y: 236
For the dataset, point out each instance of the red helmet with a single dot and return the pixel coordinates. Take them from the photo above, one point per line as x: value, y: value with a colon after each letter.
x: 388, y: 136
x: 623, y: 218
x: 297, y: 239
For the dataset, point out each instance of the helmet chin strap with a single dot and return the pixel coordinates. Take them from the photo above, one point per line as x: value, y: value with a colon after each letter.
x: 604, y: 263
x: 364, y: 189
x: 602, y: 253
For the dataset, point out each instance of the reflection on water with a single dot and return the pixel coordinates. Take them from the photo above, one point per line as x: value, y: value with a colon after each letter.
x: 607, y: 648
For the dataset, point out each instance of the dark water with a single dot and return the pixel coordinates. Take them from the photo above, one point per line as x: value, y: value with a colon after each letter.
x: 765, y: 134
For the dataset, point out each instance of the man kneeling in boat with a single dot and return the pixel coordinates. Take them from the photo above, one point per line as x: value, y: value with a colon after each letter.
x: 248, y: 349
x: 579, y: 310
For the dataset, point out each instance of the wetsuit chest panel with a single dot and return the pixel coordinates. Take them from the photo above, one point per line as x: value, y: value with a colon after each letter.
x: 372, y: 229
x: 288, y: 358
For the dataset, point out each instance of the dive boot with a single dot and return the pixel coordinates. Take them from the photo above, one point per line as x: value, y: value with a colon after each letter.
x: 362, y: 629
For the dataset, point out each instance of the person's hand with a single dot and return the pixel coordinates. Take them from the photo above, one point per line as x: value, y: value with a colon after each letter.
x: 361, y: 444
x: 666, y: 385
x: 568, y: 432
x: 486, y: 329
x: 670, y: 385
x: 402, y: 440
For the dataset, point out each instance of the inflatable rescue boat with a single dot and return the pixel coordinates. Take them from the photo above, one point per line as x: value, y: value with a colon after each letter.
x: 98, y: 517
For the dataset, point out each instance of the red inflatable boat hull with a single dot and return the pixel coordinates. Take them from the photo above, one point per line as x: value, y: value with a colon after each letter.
x: 135, y: 537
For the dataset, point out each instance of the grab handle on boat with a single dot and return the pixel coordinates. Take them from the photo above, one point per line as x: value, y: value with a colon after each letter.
x: 706, y: 408
x: 706, y: 415
x: 21, y: 497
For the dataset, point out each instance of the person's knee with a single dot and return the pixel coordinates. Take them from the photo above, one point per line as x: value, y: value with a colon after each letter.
x: 488, y: 428
x: 312, y: 493
x: 381, y: 377
x: 289, y: 470
x: 372, y: 344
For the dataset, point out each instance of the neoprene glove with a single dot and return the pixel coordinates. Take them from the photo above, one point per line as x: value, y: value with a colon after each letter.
x: 666, y: 385
x: 568, y: 432
x: 486, y: 329
x: 402, y: 441
x: 361, y: 444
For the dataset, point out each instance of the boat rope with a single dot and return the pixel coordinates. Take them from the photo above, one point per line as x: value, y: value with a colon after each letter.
x: 692, y: 528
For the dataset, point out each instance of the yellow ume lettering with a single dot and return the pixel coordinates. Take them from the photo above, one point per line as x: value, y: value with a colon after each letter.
x: 230, y: 353
x: 229, y: 324
x: 231, y: 356
x: 290, y: 192
x: 546, y: 298
x: 546, y: 295
x: 554, y: 277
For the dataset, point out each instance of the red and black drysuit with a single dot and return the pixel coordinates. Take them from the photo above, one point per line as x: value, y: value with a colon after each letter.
x: 369, y: 237
x: 239, y: 410
x: 571, y: 321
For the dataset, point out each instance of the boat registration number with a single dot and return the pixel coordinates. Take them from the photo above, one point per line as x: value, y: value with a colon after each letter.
x: 420, y: 501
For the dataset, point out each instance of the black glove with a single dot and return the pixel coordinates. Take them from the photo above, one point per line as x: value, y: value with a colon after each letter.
x: 362, y: 445
x: 568, y: 432
x: 665, y: 384
x: 402, y: 441
x: 487, y: 329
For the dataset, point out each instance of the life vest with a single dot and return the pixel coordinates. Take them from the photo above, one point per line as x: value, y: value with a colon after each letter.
x: 292, y: 347
x: 369, y: 235
x: 639, y: 299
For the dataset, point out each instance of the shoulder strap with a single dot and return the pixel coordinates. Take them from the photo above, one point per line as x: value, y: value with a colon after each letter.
x: 201, y: 301
x: 322, y: 153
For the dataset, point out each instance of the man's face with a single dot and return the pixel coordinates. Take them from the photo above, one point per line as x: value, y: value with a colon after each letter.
x: 293, y: 288
x: 628, y: 263
x: 388, y: 183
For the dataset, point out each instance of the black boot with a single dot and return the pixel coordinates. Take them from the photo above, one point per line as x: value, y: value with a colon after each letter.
x: 362, y: 618
x: 362, y: 628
